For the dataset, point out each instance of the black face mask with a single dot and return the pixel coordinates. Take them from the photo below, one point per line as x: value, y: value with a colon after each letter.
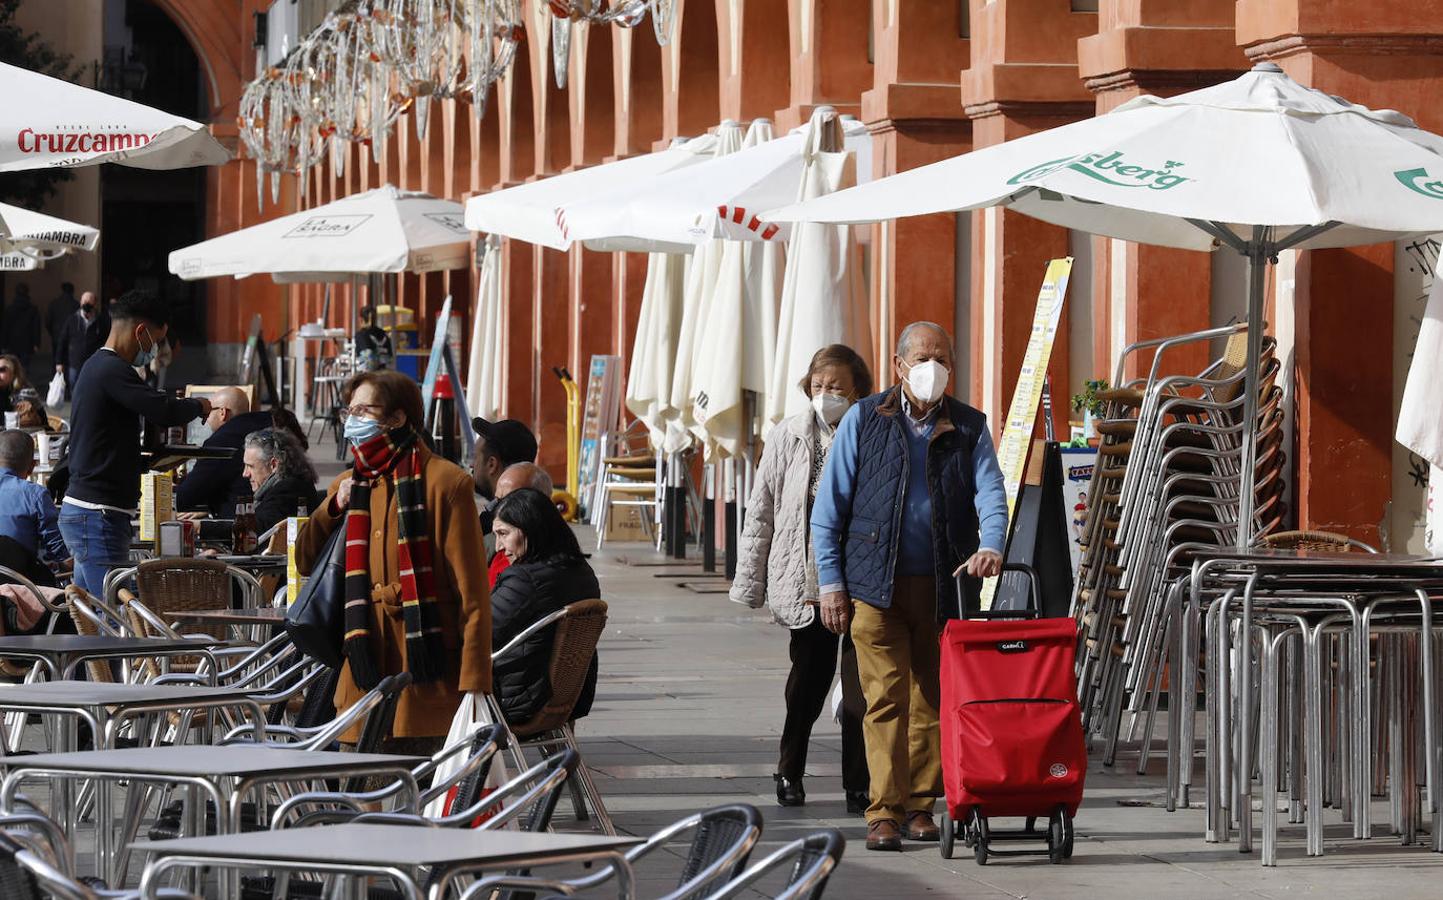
x: 87, y: 308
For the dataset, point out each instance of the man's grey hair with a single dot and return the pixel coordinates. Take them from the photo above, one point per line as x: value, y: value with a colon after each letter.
x: 17, y: 449
x: 537, y: 478
x: 905, y: 337
x: 281, y: 445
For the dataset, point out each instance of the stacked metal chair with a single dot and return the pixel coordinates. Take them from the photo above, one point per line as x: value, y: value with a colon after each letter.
x: 1165, y: 486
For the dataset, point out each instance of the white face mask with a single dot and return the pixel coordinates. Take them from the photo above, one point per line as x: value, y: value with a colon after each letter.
x: 830, y: 407
x: 928, y: 380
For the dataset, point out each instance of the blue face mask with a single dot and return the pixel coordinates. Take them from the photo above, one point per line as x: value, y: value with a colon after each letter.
x: 144, y: 357
x: 359, y: 430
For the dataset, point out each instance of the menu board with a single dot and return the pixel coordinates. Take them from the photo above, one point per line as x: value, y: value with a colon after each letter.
x: 1021, y: 418
x: 1022, y: 414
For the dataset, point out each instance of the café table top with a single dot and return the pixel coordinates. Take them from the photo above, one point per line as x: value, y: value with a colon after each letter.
x: 84, y: 694
x: 250, y: 615
x: 61, y: 644
x: 360, y: 844
x: 253, y: 560
x: 207, y: 761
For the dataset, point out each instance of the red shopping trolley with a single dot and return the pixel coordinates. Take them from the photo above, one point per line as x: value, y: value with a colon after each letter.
x: 1012, y: 741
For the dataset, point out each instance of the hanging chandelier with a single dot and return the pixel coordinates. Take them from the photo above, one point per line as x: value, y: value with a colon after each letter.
x: 361, y: 69
x: 626, y: 13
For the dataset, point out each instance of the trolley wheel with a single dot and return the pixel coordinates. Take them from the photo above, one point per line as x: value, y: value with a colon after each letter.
x: 981, y: 837
x: 1059, y: 835
x: 948, y: 837
x: 565, y: 504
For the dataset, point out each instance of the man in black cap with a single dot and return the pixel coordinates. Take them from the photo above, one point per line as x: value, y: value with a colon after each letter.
x: 498, y: 445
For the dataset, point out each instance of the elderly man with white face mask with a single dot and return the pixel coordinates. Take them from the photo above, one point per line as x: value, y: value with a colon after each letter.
x: 911, y: 495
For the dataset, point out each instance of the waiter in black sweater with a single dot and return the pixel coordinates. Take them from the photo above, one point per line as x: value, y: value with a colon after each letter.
x: 110, y: 400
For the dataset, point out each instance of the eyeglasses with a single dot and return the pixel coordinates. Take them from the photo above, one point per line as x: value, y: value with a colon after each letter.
x: 362, y: 409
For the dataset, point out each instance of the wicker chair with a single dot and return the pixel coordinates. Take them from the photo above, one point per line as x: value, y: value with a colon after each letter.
x: 1316, y: 541
x: 579, y: 627
x: 183, y: 585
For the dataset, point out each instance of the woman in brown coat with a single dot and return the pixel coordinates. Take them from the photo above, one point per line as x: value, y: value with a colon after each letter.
x: 417, y: 596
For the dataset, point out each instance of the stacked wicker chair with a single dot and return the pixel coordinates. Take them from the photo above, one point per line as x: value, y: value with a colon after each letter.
x: 1165, y: 485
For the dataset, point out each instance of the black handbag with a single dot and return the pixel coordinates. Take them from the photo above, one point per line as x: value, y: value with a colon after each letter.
x: 315, y: 621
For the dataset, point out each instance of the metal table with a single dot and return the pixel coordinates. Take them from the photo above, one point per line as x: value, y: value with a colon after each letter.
x: 104, y: 705
x: 250, y: 615
x: 223, y: 774
x: 61, y: 654
x: 1279, y: 574
x: 395, y: 852
x: 248, y: 623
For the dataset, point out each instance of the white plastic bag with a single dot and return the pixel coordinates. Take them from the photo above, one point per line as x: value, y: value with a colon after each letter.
x: 56, y: 393
x: 471, y: 714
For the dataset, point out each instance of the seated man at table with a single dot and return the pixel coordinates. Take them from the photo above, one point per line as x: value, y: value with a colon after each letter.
x: 282, y: 478
x: 213, y: 485
x: 28, y: 515
x: 515, y: 477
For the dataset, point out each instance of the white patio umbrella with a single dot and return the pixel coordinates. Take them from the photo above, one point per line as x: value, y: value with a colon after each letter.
x: 823, y: 298
x: 718, y: 198
x: 45, y: 237
x: 536, y: 212
x: 48, y: 122
x: 485, y: 381
x: 1259, y: 164
x: 658, y: 331
x: 701, y: 283
x: 383, y: 230
x: 735, y: 353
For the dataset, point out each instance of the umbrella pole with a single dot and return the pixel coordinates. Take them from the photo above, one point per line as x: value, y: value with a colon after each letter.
x: 1258, y: 254
x: 732, y: 516
x: 708, y: 519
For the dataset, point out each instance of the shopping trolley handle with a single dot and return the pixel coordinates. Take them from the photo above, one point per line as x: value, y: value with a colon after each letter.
x: 1034, y: 592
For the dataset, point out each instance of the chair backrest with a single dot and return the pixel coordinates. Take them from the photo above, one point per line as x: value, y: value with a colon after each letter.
x: 91, y: 618
x: 1323, y: 541
x: 811, y: 860
x: 184, y: 585
x: 319, y: 705
x: 577, y: 634
x: 378, y: 723
x: 531, y: 797
x: 721, y: 843
x: 488, y: 738
x: 16, y: 880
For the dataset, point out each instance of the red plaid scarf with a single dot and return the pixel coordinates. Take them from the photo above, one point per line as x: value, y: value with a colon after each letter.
x: 395, y: 455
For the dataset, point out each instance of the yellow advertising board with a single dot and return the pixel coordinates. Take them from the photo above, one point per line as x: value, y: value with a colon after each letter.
x: 1021, y: 418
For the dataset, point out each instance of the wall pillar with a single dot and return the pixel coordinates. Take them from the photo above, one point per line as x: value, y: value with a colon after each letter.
x: 915, y: 119
x: 1023, y: 79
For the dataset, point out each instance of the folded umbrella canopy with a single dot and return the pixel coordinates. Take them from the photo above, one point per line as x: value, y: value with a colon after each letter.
x: 485, y: 380
x: 737, y: 339
x: 658, y: 332
x: 701, y: 284
x: 536, y: 212
x: 48, y: 122
x: 717, y: 198
x: 1260, y: 164
x: 384, y: 230
x: 823, y: 298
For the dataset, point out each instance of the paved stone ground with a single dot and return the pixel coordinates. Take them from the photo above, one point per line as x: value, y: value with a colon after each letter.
x: 689, y: 711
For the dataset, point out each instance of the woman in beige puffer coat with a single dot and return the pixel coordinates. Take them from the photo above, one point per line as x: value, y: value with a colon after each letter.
x: 775, y: 568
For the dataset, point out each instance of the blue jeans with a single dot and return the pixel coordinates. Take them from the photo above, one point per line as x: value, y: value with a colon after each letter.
x: 99, y: 540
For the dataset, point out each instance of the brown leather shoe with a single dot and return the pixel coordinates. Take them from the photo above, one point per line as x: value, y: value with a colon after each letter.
x: 883, y: 834
x: 920, y: 827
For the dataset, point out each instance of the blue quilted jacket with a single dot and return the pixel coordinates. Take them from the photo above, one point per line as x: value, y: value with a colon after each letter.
x: 865, y: 515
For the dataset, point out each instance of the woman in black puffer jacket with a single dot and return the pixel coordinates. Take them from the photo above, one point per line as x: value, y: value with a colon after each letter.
x: 547, y: 572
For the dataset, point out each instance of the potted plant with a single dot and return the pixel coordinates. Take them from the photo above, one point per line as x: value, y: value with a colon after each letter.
x: 1090, y: 404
